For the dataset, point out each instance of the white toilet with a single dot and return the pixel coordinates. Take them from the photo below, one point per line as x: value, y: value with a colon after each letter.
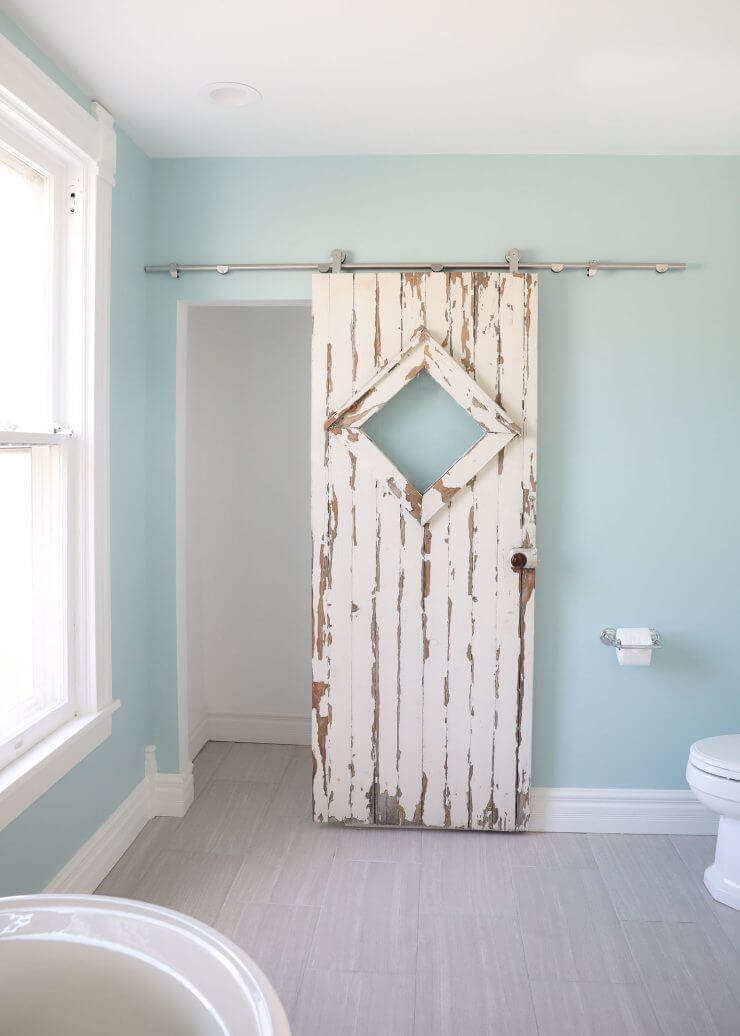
x: 713, y: 774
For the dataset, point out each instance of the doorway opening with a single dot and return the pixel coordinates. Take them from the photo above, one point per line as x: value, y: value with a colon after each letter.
x: 243, y: 523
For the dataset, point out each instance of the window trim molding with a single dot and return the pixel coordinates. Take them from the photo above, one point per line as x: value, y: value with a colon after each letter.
x: 38, y: 769
x: 42, y: 111
x: 36, y: 102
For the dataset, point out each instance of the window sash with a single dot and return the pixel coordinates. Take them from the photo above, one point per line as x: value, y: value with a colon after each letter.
x: 65, y: 399
x: 19, y: 438
x: 62, y: 175
x: 50, y: 703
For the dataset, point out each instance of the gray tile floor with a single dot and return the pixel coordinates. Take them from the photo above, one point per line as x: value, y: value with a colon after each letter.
x: 368, y: 933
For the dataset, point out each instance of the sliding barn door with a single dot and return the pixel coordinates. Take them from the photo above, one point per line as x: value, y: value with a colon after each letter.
x: 422, y: 629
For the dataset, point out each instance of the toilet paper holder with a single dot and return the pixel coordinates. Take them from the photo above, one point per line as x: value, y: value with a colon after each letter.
x: 609, y: 637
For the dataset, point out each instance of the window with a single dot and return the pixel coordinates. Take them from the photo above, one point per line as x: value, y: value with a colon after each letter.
x: 35, y: 463
x: 55, y: 188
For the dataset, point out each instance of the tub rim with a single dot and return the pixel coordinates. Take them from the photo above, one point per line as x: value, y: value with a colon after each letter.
x: 255, y: 984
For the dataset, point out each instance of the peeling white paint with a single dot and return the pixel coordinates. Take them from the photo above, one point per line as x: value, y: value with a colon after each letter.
x: 422, y: 632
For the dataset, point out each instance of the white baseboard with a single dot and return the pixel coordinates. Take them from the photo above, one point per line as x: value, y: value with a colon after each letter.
x: 606, y: 810
x: 172, y: 794
x: 256, y: 727
x: 156, y: 795
x: 609, y: 810
x: 620, y: 810
x: 91, y: 863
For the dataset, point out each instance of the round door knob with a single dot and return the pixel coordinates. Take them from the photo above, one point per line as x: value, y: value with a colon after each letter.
x: 518, y: 561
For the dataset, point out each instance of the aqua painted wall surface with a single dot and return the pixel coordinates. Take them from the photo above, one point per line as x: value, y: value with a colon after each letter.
x: 638, y: 499
x: 39, y: 842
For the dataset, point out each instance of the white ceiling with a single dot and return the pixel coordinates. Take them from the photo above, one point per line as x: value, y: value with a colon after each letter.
x: 406, y: 76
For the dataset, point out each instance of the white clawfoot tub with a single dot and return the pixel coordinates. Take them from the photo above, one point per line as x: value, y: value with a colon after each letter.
x: 87, y: 965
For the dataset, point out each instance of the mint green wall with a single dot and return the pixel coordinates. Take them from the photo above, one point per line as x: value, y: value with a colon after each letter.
x: 39, y: 842
x: 638, y: 499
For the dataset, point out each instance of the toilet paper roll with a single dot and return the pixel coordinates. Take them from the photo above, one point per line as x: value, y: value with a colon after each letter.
x: 642, y: 652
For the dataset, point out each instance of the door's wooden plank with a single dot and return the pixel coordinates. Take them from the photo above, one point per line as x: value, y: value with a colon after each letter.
x: 434, y: 617
x: 410, y: 667
x: 389, y: 628
x: 388, y: 330
x: 510, y: 351
x: 460, y: 651
x: 437, y: 308
x: 387, y: 594
x: 319, y: 546
x: 364, y: 520
x: 341, y: 321
x: 485, y: 495
x: 529, y: 513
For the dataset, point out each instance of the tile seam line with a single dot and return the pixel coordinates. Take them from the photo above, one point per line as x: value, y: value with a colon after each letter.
x: 515, y: 894
x: 642, y: 982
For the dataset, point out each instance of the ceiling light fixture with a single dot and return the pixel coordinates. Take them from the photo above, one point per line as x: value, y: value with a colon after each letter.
x: 233, y: 95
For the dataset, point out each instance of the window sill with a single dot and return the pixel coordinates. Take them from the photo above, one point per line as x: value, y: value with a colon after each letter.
x: 26, y: 779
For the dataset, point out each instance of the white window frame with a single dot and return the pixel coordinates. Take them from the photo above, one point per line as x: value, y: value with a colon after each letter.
x: 38, y: 116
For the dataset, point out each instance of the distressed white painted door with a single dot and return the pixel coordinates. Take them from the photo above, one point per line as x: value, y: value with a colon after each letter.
x: 422, y: 631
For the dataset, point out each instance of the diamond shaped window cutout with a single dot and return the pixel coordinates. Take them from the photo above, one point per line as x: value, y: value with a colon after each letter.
x: 423, y: 431
x: 426, y: 426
